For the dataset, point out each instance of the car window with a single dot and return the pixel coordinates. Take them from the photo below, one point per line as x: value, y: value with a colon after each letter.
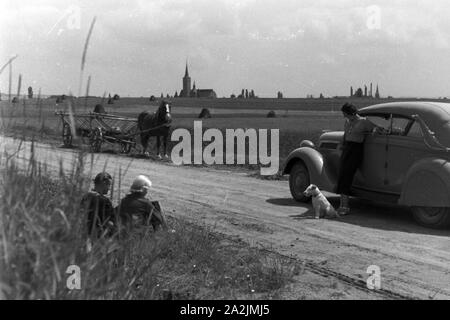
x: 399, y: 126
x: 381, y: 121
x: 415, y: 131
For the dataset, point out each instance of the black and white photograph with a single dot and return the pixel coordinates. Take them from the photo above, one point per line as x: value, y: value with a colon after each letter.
x: 225, y: 154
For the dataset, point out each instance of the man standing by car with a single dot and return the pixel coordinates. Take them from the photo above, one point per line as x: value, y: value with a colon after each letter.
x: 355, y: 130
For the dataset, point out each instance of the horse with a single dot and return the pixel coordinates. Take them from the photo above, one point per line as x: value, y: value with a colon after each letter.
x: 155, y: 124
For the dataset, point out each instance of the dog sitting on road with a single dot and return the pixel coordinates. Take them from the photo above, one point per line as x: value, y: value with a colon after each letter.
x: 322, y: 207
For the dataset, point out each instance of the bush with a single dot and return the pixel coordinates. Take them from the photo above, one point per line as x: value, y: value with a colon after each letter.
x: 271, y: 114
x: 204, y: 114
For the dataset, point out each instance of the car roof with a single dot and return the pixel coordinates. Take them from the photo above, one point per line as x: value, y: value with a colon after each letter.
x: 435, y: 114
x: 440, y: 111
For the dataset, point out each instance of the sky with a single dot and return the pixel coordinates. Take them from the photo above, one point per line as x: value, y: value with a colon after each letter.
x: 140, y: 47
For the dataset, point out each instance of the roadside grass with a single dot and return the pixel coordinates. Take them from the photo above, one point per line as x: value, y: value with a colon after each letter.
x: 42, y: 234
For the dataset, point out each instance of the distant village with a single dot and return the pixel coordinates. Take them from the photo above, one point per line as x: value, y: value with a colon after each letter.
x: 191, y: 91
x: 194, y: 92
x: 360, y: 94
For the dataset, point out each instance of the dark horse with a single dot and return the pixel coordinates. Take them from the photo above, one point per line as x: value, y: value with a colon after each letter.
x: 155, y: 125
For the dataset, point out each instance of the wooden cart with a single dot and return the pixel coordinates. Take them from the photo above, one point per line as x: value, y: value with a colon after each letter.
x: 99, y: 129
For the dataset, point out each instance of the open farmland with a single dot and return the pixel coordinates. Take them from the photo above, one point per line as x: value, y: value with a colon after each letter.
x: 294, y: 120
x: 297, y: 119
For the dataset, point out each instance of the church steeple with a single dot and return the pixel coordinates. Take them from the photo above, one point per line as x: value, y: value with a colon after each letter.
x: 186, y: 73
x: 186, y: 83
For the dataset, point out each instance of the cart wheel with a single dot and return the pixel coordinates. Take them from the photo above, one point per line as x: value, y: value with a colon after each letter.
x: 96, y: 140
x: 67, y: 135
x: 125, y: 147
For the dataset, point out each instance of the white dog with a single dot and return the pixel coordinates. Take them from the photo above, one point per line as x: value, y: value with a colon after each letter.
x: 322, y: 207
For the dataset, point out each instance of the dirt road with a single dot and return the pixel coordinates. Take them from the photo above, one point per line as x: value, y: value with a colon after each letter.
x: 414, y: 261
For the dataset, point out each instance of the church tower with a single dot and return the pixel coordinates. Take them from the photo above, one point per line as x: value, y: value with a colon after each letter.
x: 194, y: 91
x: 186, y: 83
x: 377, y: 93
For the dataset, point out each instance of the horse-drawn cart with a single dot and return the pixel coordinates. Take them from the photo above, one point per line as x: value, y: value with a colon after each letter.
x: 99, y: 128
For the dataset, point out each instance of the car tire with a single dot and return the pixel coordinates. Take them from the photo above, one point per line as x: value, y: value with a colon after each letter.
x: 298, y: 181
x: 430, y: 217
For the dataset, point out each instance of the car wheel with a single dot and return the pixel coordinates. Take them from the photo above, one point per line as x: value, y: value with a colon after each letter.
x: 299, y: 181
x: 432, y: 217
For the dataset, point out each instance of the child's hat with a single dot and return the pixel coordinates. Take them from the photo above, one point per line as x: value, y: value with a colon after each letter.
x: 140, y: 184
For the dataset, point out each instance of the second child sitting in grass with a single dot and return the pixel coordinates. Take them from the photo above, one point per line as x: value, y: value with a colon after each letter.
x: 98, y: 209
x: 135, y: 209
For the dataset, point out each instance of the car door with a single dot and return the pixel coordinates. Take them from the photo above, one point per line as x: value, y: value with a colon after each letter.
x: 371, y: 175
x: 405, y: 146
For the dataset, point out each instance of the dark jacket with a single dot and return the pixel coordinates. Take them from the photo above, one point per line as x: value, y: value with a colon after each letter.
x: 136, y: 210
x: 99, y: 213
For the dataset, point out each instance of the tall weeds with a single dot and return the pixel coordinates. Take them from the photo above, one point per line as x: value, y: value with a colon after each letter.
x: 42, y: 233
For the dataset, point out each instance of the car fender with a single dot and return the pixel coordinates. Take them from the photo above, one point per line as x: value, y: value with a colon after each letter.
x: 427, y: 184
x: 313, y: 161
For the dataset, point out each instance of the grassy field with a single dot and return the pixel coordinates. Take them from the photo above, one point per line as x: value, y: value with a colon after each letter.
x: 297, y: 119
x: 302, y: 104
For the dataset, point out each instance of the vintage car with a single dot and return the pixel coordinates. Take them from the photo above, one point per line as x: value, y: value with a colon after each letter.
x: 407, y: 164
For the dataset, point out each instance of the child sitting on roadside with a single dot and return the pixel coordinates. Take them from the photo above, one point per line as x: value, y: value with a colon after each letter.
x: 137, y: 210
x: 99, y: 209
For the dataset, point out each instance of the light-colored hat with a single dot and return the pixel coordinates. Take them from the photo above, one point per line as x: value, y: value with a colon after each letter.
x: 140, y: 184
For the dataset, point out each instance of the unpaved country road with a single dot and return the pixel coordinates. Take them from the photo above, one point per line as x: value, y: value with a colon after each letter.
x: 414, y: 261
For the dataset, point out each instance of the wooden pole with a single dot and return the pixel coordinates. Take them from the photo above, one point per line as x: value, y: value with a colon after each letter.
x: 87, y: 92
x: 19, y: 86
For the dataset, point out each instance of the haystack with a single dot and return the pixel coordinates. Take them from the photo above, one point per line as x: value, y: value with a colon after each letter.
x: 271, y: 114
x: 205, y: 114
x: 99, y: 109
